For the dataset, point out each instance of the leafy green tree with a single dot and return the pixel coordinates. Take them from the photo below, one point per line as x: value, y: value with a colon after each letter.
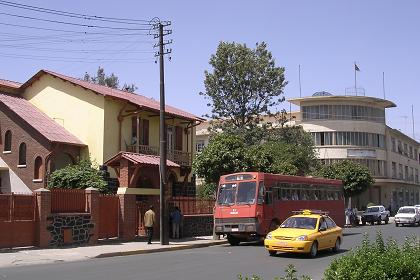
x: 108, y: 80
x: 78, y: 176
x: 244, y: 84
x: 356, y: 177
x: 224, y: 154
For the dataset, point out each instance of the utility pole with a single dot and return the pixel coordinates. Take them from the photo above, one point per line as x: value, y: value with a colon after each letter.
x: 164, y: 217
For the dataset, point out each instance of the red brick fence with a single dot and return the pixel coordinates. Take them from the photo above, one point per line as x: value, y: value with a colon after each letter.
x: 61, y: 217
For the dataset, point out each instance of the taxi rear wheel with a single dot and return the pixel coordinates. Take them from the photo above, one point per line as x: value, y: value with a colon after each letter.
x: 314, y: 249
x: 272, y: 252
x: 336, y: 247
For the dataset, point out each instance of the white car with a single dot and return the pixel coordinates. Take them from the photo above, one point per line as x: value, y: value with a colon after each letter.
x: 407, y: 215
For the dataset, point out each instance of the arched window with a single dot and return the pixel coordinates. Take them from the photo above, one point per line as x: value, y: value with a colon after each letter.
x: 22, y: 154
x: 38, y: 172
x: 8, y: 141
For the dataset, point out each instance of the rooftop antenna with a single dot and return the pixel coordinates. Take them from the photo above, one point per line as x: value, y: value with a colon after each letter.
x: 383, y: 83
x: 412, y: 120
x: 300, y: 84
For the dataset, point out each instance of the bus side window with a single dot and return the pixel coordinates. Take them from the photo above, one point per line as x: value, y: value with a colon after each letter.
x: 268, y: 197
x: 261, y: 193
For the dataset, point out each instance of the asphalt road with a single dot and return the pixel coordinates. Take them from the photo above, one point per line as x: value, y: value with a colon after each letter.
x: 214, y: 263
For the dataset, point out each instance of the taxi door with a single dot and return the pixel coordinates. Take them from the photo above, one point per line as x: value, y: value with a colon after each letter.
x: 323, y: 235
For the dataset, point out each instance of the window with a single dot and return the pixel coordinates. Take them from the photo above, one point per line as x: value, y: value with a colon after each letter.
x: 135, y: 122
x: 417, y: 176
x: 394, y: 170
x: 199, y: 146
x: 144, y: 137
x: 8, y: 141
x: 410, y: 154
x: 38, y: 173
x: 22, y: 154
x: 178, y: 138
x: 405, y: 149
x: 330, y: 223
x: 406, y: 172
x: 393, y: 145
x: 400, y: 171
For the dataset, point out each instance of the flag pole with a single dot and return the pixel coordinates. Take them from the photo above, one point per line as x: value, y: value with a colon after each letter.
x: 355, y: 79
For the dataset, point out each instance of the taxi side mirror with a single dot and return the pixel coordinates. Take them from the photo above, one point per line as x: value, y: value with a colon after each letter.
x: 322, y: 228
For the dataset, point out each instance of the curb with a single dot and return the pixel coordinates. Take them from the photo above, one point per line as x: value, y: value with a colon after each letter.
x: 163, y: 249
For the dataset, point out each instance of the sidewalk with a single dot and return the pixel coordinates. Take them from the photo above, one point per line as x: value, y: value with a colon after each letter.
x: 33, y: 256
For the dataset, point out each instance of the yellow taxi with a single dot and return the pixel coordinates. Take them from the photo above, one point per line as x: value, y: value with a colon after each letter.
x: 308, y: 231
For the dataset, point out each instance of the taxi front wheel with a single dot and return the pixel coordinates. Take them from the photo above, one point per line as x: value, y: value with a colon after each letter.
x: 314, y: 249
x: 272, y: 252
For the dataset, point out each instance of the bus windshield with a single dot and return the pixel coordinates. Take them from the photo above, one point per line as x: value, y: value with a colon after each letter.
x: 241, y: 193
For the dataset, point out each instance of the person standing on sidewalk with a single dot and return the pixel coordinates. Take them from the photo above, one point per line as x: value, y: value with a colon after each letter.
x: 176, y: 218
x: 149, y: 221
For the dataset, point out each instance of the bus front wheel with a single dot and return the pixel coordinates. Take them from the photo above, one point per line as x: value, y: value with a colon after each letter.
x: 233, y: 241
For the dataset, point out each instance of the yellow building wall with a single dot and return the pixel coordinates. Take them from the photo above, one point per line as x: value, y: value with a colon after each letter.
x: 79, y: 111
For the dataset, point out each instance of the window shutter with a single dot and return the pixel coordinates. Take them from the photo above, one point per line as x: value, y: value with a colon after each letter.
x: 178, y: 138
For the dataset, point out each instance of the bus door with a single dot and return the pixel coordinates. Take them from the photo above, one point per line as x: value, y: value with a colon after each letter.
x: 268, y: 209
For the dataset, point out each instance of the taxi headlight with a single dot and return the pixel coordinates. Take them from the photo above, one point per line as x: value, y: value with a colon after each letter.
x: 301, y: 238
x: 269, y: 236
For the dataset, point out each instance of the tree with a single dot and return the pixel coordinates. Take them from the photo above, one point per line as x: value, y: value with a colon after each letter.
x: 356, y: 177
x: 244, y: 84
x: 78, y: 176
x: 287, y: 151
x: 108, y: 80
x: 224, y: 154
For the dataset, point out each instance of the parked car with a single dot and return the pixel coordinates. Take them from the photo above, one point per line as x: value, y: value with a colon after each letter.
x: 307, y: 232
x: 407, y: 215
x: 376, y: 214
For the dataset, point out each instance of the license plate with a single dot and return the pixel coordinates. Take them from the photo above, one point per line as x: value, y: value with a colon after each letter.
x: 235, y: 229
x: 282, y: 243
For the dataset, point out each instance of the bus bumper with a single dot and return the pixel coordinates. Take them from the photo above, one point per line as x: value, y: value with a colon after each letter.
x: 288, y: 246
x: 237, y: 228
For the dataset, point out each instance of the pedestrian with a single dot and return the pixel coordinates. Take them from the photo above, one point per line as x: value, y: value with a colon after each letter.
x: 149, y: 221
x: 176, y: 218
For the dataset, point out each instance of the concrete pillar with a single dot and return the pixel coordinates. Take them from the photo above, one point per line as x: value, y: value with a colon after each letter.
x: 92, y: 206
x: 43, y: 197
x: 128, y: 209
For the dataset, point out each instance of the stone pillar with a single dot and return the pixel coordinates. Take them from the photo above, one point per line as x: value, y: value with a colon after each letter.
x: 92, y: 206
x: 43, y: 197
x: 128, y: 216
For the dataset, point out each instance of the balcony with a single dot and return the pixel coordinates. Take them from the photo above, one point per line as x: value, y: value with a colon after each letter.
x: 179, y: 157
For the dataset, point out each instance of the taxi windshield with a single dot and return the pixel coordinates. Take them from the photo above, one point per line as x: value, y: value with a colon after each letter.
x: 299, y: 222
x: 241, y: 193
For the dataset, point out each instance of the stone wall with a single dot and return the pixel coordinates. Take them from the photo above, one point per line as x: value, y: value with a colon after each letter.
x: 197, y: 225
x: 80, y: 226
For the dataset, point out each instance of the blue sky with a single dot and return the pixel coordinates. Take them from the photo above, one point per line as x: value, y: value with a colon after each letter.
x: 324, y: 37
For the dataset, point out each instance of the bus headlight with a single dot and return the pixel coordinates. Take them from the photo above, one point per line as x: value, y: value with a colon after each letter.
x: 301, y: 238
x: 269, y: 236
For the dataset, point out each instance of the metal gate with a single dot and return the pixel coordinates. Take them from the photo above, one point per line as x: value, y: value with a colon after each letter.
x: 109, y: 210
x: 17, y: 220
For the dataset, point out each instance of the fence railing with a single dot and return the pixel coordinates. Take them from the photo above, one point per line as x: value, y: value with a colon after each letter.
x: 17, y: 207
x: 179, y: 157
x: 68, y: 201
x: 193, y: 205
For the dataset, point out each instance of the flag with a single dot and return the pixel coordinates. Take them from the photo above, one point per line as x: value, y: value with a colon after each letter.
x: 356, y: 68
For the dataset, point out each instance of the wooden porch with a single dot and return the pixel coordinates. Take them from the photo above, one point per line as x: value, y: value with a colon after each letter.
x: 179, y: 157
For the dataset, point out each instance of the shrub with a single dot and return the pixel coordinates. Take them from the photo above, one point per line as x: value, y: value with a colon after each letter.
x: 78, y: 176
x: 291, y: 274
x: 378, y: 260
x: 207, y: 190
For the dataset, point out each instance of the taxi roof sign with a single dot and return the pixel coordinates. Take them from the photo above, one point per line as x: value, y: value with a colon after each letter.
x: 310, y: 212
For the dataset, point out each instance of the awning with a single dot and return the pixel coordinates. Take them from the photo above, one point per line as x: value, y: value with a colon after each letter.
x: 138, y: 159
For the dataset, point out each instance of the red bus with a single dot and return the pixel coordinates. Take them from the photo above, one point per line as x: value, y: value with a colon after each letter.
x: 251, y: 204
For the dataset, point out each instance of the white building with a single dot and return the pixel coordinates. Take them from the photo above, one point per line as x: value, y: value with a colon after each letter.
x: 354, y: 128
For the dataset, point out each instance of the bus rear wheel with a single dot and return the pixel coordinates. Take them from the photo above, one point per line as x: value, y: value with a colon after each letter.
x: 233, y: 241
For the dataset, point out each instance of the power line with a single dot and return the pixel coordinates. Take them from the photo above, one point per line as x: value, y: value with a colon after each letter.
x: 73, y: 50
x: 75, y: 15
x: 74, y: 24
x: 70, y: 31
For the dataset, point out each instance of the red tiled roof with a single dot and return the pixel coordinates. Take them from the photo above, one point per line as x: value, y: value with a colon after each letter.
x: 38, y: 120
x: 139, y: 159
x: 10, y: 84
x: 133, y: 98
